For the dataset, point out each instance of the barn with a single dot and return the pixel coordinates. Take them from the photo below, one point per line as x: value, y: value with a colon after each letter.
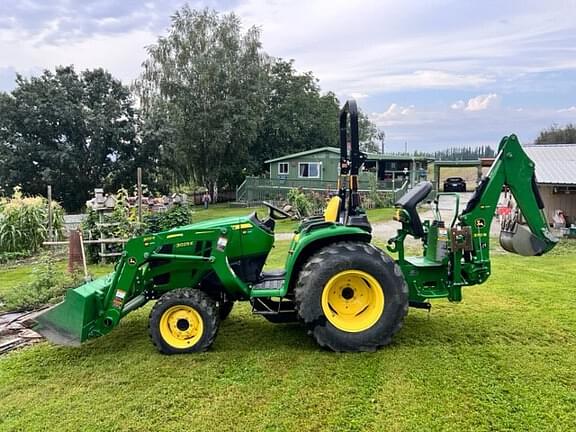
x: 556, y: 177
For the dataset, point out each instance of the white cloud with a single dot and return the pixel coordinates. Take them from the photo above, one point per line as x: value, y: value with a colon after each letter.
x: 478, y: 103
x: 427, y: 53
x: 394, y: 115
x: 428, y: 128
x: 414, y: 45
x: 458, y: 105
x: 482, y: 102
x: 358, y: 96
x: 121, y: 54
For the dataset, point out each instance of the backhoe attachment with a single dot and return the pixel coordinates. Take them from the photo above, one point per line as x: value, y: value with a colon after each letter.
x: 517, y: 238
x: 513, y: 168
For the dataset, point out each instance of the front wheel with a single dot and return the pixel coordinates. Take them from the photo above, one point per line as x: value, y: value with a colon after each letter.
x: 352, y: 297
x: 184, y: 321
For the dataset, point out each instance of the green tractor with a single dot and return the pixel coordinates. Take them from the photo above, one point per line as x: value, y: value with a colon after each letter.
x: 349, y: 294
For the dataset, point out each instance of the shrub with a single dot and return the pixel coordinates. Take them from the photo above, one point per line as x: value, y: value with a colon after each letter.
x: 300, y: 201
x: 177, y: 215
x: 48, y: 284
x: 12, y: 256
x: 24, y: 222
x: 374, y: 196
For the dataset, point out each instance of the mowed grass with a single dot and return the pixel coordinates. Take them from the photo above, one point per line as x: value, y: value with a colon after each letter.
x: 12, y: 275
x: 223, y: 210
x: 503, y: 359
x: 282, y: 226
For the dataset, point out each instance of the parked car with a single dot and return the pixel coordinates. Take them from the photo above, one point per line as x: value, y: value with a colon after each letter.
x: 454, y: 184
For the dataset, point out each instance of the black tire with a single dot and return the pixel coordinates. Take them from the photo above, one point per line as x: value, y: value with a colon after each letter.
x: 197, y: 305
x: 328, y: 264
x: 224, y: 309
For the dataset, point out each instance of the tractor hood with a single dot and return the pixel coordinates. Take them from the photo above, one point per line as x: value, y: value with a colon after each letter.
x: 214, y: 223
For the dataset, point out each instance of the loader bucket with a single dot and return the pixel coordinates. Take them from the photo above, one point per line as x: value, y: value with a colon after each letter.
x: 71, y: 322
x: 521, y: 241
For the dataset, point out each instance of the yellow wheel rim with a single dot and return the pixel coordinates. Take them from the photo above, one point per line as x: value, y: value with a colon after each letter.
x: 353, y: 301
x: 181, y: 326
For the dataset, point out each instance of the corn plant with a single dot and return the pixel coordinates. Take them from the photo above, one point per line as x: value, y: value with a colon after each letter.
x: 24, y: 222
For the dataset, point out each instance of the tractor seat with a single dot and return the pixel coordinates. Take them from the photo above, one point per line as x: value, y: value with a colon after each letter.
x: 410, y: 201
x: 332, y: 209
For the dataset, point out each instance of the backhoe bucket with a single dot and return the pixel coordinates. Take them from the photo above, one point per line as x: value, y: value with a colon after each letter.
x: 71, y: 321
x: 521, y: 241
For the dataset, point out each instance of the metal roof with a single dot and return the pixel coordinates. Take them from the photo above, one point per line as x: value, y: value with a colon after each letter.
x: 555, y: 163
x: 305, y: 153
x: 370, y: 156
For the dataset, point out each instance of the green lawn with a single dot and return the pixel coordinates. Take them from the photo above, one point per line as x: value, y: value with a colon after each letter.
x: 503, y: 359
x: 13, y: 275
x: 222, y: 210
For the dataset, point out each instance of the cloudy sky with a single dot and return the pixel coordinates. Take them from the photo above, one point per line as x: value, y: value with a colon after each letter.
x: 430, y: 73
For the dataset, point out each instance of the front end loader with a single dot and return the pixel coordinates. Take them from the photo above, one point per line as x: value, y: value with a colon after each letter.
x: 349, y: 294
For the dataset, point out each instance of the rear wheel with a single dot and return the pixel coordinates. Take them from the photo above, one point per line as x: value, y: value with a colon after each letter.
x: 184, y: 321
x: 352, y: 297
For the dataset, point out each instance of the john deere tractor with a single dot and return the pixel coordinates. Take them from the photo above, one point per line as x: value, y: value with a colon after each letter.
x: 349, y: 294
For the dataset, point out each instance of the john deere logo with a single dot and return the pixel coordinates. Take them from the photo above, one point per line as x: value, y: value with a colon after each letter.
x: 480, y: 223
x: 132, y: 261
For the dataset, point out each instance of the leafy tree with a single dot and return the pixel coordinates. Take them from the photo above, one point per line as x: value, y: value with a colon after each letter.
x: 206, y: 78
x: 558, y: 135
x: 296, y: 116
x: 462, y: 153
x: 369, y: 136
x: 73, y: 131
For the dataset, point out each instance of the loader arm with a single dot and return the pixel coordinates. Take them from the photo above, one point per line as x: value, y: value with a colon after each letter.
x: 95, y: 308
x: 512, y: 167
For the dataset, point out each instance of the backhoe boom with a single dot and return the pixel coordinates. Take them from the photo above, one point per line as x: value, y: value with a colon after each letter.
x: 513, y: 168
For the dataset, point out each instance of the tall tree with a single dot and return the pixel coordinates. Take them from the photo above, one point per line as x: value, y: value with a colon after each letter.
x: 369, y: 135
x: 206, y: 77
x: 74, y: 131
x: 558, y: 135
x: 296, y: 116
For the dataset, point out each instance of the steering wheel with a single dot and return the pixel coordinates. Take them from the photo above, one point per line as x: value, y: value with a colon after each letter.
x: 276, y: 213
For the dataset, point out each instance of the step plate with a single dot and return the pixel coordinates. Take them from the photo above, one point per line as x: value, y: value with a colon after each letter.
x: 270, y: 284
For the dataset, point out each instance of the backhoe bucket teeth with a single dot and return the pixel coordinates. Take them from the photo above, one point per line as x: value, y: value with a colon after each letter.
x: 71, y: 322
x: 521, y: 241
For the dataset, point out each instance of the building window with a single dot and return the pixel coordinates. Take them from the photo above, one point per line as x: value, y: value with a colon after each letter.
x: 309, y: 169
x: 283, y: 168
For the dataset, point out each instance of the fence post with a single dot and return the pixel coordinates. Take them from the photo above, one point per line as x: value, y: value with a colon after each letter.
x: 139, y: 187
x: 50, y: 221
